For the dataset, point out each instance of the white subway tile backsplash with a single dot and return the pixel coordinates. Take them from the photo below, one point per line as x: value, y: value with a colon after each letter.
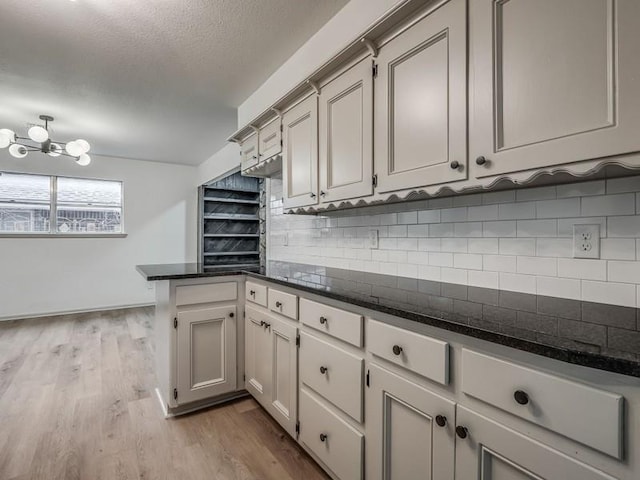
x: 517, y: 246
x: 582, y: 189
x: 419, y: 258
x: 478, y: 278
x: 499, y: 263
x: 429, y: 272
x: 485, y: 212
x: 554, y: 247
x: 388, y: 219
x: 514, y: 282
x: 483, y: 245
x: 582, y: 268
x: 408, y: 270
x: 441, y: 259
x: 446, y: 202
x: 398, y: 256
x: 537, y: 266
x: 565, y: 225
x: 468, y: 229
x: 623, y: 185
x: 623, y: 204
x: 538, y: 193
x: 558, y: 287
x: 625, y: 227
x: 505, y: 196
x: 441, y: 230
x: 454, y: 275
x: 418, y: 231
x: 467, y: 200
x: 398, y: 231
x: 467, y: 260
x: 562, y: 208
x: 429, y: 216
x: 506, y: 228
x: 407, y: 217
x: 458, y: 214
x: 537, y: 228
x: 430, y: 244
x: 459, y: 245
x: 625, y: 272
x: 513, y: 211
x: 609, y: 292
x: 618, y: 249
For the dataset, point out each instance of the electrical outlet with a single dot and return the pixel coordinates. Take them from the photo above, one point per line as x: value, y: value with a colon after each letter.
x: 586, y: 241
x: 373, y: 239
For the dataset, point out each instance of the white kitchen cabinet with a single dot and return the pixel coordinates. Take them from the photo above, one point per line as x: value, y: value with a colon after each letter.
x: 206, y: 353
x: 249, y: 152
x: 486, y: 450
x: 410, y: 430
x: 420, y: 120
x: 554, y: 82
x: 270, y: 139
x: 346, y: 134
x: 300, y: 154
x: 271, y: 366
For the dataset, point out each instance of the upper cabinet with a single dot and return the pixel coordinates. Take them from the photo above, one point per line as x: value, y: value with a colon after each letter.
x: 554, y: 82
x: 346, y: 134
x: 300, y: 154
x: 261, y: 146
x: 249, y: 152
x: 421, y: 103
x: 270, y: 139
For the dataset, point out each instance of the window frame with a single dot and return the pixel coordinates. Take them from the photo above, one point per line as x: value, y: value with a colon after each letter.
x: 53, y: 211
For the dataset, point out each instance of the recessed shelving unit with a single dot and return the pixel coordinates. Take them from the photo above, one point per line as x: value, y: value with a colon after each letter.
x: 230, y: 222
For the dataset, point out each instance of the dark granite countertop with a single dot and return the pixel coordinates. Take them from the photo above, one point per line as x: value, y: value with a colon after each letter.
x: 606, y: 337
x: 177, y: 271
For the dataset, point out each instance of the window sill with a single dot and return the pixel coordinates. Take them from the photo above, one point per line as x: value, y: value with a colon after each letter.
x: 63, y: 235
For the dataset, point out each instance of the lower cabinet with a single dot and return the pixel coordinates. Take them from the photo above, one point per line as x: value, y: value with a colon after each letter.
x: 486, y: 450
x: 271, y: 366
x: 410, y: 430
x: 206, y: 353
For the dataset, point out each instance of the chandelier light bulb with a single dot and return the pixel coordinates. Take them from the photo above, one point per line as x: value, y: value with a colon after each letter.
x: 54, y: 150
x: 84, y: 145
x: 17, y: 151
x: 5, y: 141
x: 83, y: 160
x: 10, y: 134
x: 74, y: 149
x: 38, y: 134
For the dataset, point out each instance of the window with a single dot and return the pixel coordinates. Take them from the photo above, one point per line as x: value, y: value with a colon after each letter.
x: 40, y: 204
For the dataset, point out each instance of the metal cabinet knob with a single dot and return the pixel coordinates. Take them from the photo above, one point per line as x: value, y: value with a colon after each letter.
x: 252, y: 293
x: 441, y: 420
x: 461, y: 431
x: 267, y: 325
x: 262, y: 322
x: 323, y: 370
x: 231, y: 314
x: 455, y: 165
x: 521, y: 397
x: 322, y: 194
x: 323, y: 320
x: 397, y: 349
x: 313, y: 195
x: 323, y: 437
x: 481, y: 160
x: 278, y: 304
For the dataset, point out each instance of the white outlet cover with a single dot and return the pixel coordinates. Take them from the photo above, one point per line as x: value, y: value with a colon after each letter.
x: 586, y: 241
x: 373, y: 239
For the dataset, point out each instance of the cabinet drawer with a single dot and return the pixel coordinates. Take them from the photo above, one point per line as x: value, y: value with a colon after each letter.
x: 283, y: 303
x: 256, y: 293
x: 338, y: 323
x: 333, y: 373
x: 580, y: 412
x: 206, y: 293
x: 269, y: 140
x: 340, y: 446
x: 423, y: 355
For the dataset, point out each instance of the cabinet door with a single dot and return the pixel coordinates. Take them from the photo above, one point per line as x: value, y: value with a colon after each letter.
x: 404, y: 440
x: 346, y: 135
x: 300, y: 155
x: 270, y: 140
x: 206, y: 353
x: 283, y: 398
x: 257, y: 356
x: 421, y: 103
x: 249, y: 152
x: 491, y: 451
x: 554, y: 82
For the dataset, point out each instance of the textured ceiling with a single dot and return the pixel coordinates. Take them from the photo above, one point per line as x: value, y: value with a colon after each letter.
x: 146, y: 79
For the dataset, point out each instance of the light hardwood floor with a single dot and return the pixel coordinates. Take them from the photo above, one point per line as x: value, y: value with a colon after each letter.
x: 77, y: 401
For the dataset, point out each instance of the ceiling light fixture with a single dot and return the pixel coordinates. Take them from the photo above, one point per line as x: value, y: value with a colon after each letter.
x: 38, y: 140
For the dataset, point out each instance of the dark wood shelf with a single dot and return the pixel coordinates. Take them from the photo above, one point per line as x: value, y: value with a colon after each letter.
x: 231, y: 200
x: 222, y: 254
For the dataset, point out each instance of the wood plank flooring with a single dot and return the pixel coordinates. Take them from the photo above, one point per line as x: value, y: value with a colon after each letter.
x: 77, y: 401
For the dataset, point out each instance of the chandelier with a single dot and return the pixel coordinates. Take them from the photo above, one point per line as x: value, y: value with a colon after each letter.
x: 38, y: 140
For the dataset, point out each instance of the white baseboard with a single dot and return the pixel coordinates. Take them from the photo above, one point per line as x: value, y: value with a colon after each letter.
x: 73, y: 312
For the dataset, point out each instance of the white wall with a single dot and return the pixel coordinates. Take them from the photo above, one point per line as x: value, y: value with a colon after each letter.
x: 511, y: 240
x: 226, y: 159
x: 51, y: 275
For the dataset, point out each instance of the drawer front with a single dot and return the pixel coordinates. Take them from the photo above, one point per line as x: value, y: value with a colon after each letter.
x: 269, y: 140
x: 340, y: 447
x: 283, y: 303
x: 206, y: 293
x: 423, y: 355
x: 249, y: 152
x: 580, y: 412
x: 338, y: 323
x: 333, y: 373
x: 256, y: 293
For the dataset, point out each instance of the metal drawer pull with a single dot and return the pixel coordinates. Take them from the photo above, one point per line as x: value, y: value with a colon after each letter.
x: 521, y: 397
x: 278, y: 304
x: 323, y: 370
x: 461, y: 431
x: 441, y: 420
x: 323, y: 437
x: 252, y: 293
x: 323, y: 320
x: 397, y: 349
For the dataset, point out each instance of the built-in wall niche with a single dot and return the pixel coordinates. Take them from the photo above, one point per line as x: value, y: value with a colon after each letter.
x: 230, y: 222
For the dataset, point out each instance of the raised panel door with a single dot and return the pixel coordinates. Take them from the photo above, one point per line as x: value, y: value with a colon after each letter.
x: 554, y: 82
x: 404, y: 440
x: 346, y: 134
x: 249, y: 152
x: 420, y: 121
x: 300, y: 154
x: 206, y: 353
x: 257, y: 356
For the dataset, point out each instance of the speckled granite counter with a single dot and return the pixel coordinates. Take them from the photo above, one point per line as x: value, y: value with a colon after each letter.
x: 601, y: 336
